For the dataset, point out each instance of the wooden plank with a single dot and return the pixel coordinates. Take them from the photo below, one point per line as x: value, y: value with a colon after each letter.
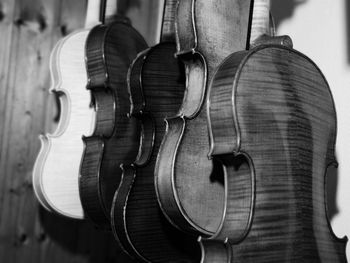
x: 29, y: 29
x: 17, y: 129
x: 27, y: 104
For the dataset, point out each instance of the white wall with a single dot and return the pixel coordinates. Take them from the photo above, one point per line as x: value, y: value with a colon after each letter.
x: 319, y: 30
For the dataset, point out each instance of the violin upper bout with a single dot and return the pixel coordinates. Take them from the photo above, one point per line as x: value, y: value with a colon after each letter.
x: 221, y: 107
x: 196, y: 75
x: 55, y: 74
x: 195, y: 63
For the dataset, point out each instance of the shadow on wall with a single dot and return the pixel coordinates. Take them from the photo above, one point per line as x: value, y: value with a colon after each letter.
x: 282, y: 10
x: 124, y: 5
x: 331, y: 188
x: 81, y: 239
x: 347, y: 15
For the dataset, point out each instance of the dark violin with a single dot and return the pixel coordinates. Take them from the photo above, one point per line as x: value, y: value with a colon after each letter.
x: 189, y: 185
x: 157, y: 83
x: 110, y: 49
x: 272, y: 125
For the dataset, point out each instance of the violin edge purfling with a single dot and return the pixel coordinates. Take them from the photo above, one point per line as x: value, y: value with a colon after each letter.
x: 194, y: 48
x: 50, y: 177
x: 230, y: 79
x: 104, y: 57
x: 145, y: 233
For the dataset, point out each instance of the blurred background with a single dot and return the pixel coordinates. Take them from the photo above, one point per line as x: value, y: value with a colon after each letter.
x: 29, y: 29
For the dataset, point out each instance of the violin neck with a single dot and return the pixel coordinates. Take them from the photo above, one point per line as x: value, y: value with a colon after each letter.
x: 92, y: 13
x: 168, y: 22
x: 261, y: 24
x: 108, y: 10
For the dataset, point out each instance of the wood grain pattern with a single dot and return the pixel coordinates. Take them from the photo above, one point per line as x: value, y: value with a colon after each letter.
x: 157, y: 82
x: 29, y: 30
x: 138, y: 223
x: 36, y: 177
x: 62, y: 150
x: 262, y: 22
x: 189, y: 185
x: 282, y: 122
x: 110, y: 49
x: 55, y: 182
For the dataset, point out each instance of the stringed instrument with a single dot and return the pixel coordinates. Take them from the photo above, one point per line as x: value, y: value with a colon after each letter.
x: 272, y: 125
x: 110, y: 49
x: 55, y: 80
x: 56, y: 170
x: 157, y: 81
x: 190, y: 186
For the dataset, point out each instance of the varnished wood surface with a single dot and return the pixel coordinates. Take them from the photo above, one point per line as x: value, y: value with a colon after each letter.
x: 138, y: 222
x: 36, y: 177
x: 29, y: 31
x: 110, y: 49
x: 190, y: 186
x: 156, y: 82
x: 278, y: 108
x: 54, y: 181
x: 57, y: 166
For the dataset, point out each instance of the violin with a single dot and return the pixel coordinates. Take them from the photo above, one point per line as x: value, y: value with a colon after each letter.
x: 189, y: 186
x: 36, y: 176
x: 56, y: 169
x: 110, y: 49
x: 272, y: 126
x: 156, y: 81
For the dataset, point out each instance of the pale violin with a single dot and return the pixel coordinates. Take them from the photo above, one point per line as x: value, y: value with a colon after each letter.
x: 56, y: 170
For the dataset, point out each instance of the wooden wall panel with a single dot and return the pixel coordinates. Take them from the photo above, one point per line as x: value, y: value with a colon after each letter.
x: 29, y: 29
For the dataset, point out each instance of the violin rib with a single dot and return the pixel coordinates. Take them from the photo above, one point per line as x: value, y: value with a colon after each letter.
x: 157, y: 83
x: 58, y: 161
x: 110, y: 48
x: 273, y: 105
x: 190, y: 186
x: 39, y: 163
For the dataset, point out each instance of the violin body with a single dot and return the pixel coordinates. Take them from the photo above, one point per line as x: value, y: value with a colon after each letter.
x: 36, y: 176
x: 157, y: 83
x: 56, y: 170
x: 189, y: 185
x: 110, y: 49
x: 272, y: 122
